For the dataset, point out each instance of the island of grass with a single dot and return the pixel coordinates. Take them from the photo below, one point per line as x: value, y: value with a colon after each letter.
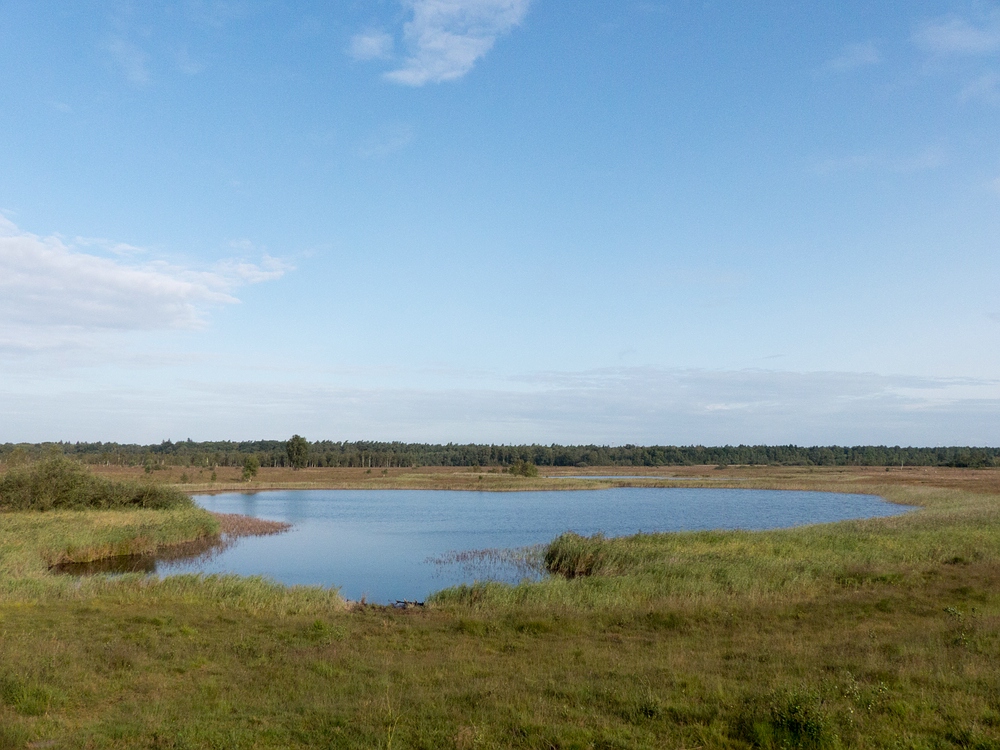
x: 875, y: 633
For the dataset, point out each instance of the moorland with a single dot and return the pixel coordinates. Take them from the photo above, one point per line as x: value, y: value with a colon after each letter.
x: 875, y: 633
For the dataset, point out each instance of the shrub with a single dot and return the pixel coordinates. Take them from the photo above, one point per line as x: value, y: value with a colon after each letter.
x: 61, y: 484
x: 523, y: 469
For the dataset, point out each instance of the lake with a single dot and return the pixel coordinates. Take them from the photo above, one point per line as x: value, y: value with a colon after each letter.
x: 389, y: 545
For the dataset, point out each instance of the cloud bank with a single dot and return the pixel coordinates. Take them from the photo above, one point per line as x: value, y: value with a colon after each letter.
x: 615, y: 406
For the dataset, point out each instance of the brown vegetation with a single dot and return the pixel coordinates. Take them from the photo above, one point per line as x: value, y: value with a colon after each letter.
x: 234, y: 525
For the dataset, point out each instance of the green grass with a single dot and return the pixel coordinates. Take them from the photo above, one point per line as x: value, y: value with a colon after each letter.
x: 873, y: 634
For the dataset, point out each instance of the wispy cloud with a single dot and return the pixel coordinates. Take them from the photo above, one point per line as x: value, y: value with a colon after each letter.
x: 216, y: 13
x: 986, y: 88
x: 247, y: 272
x: 854, y: 56
x: 387, y: 141
x: 932, y: 157
x: 955, y: 35
x: 929, y: 158
x: 371, y: 45
x: 109, y: 246
x: 130, y: 59
x: 186, y: 63
x: 445, y: 38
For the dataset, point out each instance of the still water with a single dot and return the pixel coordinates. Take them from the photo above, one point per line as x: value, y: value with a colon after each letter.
x: 389, y: 545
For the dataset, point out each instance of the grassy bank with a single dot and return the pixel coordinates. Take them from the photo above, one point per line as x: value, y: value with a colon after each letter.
x: 881, y: 633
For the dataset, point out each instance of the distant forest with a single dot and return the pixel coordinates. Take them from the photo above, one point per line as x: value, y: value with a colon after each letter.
x: 325, y: 453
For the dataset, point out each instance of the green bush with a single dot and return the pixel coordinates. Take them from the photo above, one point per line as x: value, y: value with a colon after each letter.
x: 61, y: 484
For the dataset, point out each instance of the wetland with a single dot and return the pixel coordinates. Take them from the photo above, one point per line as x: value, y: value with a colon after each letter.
x: 389, y: 545
x: 874, y: 633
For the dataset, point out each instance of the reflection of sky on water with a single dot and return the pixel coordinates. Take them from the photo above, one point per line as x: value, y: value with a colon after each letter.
x: 648, y: 476
x: 378, y: 543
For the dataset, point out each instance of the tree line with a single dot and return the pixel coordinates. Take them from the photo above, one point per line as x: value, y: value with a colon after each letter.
x: 371, y: 454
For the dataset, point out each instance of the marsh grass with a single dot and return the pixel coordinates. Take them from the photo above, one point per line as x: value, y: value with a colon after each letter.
x: 871, y: 634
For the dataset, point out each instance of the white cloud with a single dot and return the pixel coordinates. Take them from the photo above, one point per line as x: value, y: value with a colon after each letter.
x: 130, y: 59
x: 387, y: 141
x: 445, y: 38
x: 954, y: 35
x: 51, y: 292
x: 371, y: 45
x: 855, y: 56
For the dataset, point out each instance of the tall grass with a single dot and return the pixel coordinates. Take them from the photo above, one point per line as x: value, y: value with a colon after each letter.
x: 31, y: 543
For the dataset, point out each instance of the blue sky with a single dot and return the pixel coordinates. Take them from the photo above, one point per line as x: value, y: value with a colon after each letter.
x: 500, y: 221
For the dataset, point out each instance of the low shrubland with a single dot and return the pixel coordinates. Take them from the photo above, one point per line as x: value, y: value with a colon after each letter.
x: 59, y: 483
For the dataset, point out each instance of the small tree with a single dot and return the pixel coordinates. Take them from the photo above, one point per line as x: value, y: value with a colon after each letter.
x: 298, y: 451
x: 250, y: 468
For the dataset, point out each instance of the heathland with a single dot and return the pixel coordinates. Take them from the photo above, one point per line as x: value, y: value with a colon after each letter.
x: 875, y: 633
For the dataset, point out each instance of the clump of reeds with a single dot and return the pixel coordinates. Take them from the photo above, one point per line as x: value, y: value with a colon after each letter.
x: 235, y: 525
x: 59, y: 483
x: 495, y: 563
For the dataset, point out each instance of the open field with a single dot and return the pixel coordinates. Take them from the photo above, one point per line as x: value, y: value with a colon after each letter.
x: 879, y: 633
